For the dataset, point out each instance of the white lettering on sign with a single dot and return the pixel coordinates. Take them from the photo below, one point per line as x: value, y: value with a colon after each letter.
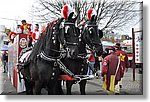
x: 138, y: 47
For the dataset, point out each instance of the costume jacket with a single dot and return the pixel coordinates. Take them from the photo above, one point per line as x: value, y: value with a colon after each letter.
x: 109, y: 69
x: 26, y: 28
x: 124, y: 63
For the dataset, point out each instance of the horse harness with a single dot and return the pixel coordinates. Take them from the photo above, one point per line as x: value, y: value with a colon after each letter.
x: 57, y: 62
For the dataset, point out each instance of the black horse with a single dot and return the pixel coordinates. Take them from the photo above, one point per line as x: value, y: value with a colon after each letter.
x: 44, y: 66
x: 90, y: 37
x: 39, y: 73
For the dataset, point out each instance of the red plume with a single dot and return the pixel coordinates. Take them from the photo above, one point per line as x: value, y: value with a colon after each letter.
x: 65, y: 11
x: 89, y: 13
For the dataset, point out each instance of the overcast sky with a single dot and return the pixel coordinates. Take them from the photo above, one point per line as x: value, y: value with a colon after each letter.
x: 18, y: 9
x: 14, y: 9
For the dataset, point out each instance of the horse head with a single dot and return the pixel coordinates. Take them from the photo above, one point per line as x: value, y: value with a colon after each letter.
x: 52, y: 46
x: 92, y: 35
x: 70, y: 35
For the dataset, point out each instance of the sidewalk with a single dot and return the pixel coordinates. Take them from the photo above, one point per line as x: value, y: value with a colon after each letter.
x: 5, y: 83
x: 130, y: 87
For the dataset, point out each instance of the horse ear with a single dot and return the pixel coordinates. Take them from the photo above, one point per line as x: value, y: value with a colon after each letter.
x: 93, y: 18
x: 59, y: 22
x: 70, y: 16
x: 100, y: 33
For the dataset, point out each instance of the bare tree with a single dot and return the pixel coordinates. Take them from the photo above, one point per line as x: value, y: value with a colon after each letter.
x: 111, y: 14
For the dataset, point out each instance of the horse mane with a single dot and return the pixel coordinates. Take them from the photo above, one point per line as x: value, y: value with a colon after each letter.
x: 45, y: 39
x: 38, y: 47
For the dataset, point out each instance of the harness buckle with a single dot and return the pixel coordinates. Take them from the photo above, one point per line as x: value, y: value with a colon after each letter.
x: 55, y: 64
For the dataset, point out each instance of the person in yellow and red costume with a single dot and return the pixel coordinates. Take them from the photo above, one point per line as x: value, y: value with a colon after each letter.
x: 111, y: 72
x: 25, y: 27
x: 124, y: 62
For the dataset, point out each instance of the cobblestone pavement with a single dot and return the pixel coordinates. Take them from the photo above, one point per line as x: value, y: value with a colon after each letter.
x: 94, y: 87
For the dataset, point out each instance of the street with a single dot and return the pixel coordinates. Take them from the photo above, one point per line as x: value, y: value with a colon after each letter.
x: 93, y: 87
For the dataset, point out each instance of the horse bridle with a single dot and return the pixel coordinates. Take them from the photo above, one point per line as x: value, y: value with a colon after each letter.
x: 66, y: 26
x: 92, y: 44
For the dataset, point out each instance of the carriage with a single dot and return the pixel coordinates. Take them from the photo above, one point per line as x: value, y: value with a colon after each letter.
x: 14, y: 50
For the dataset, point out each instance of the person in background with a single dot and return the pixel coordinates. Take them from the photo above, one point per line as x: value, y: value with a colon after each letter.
x: 26, y: 28
x: 91, y: 62
x: 11, y: 36
x: 2, y: 62
x: 36, y: 34
x: 111, y: 72
x: 124, y: 62
x: 18, y: 29
x: 43, y: 30
x: 5, y: 61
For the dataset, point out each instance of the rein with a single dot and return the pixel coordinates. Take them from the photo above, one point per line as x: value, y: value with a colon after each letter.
x: 48, y: 58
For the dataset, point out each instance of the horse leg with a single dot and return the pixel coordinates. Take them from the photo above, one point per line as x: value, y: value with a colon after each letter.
x: 69, y: 86
x: 51, y: 87
x: 38, y: 87
x: 58, y: 88
x: 29, y: 87
x: 82, y: 87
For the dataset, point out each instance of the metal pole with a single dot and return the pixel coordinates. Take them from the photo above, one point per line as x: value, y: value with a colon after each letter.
x: 133, y: 60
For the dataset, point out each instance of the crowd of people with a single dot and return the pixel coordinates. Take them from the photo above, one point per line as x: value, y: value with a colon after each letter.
x: 26, y: 28
x: 32, y: 37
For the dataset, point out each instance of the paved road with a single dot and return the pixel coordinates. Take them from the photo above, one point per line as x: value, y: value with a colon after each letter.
x: 94, y: 87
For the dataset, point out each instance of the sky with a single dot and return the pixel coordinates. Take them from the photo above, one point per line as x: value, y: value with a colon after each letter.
x: 14, y: 9
x: 19, y: 10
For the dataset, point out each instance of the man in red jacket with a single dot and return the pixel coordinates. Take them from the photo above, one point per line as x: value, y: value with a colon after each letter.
x: 124, y: 62
x: 111, y: 72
